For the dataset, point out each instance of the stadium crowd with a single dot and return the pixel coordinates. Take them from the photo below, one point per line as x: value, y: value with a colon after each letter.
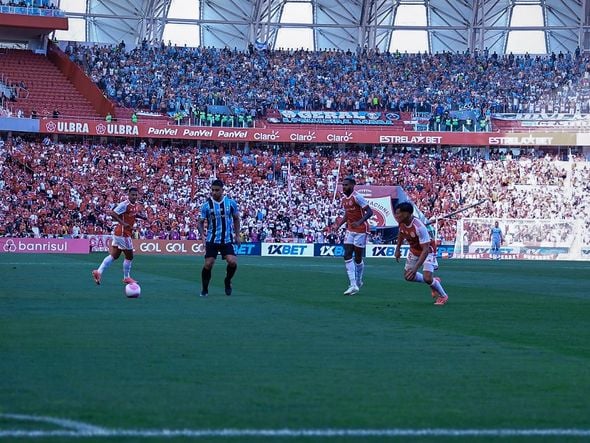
x: 170, y: 79
x: 49, y: 189
x: 42, y: 4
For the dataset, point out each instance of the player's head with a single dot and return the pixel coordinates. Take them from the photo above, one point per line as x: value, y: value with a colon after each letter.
x: 496, y: 224
x: 403, y: 212
x: 133, y: 194
x: 348, y: 184
x: 217, y: 189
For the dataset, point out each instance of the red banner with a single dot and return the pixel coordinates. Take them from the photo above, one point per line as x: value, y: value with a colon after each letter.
x: 308, y: 134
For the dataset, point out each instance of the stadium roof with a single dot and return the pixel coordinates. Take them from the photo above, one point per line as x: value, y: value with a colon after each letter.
x: 534, y: 26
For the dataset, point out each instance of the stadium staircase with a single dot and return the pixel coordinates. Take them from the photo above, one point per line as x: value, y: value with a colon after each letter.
x: 45, y: 87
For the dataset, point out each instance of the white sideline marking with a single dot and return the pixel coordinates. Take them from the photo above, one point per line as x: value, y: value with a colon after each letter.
x: 37, y: 263
x: 63, y: 422
x: 196, y: 433
x: 76, y: 429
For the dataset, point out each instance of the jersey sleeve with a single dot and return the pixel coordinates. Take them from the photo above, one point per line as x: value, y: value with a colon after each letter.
x: 423, y: 235
x: 204, y: 212
x: 234, y: 207
x: 361, y: 200
x: 121, y: 207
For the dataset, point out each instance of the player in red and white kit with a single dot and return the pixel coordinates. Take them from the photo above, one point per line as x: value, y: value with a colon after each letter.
x: 422, y: 251
x: 357, y: 212
x: 124, y: 214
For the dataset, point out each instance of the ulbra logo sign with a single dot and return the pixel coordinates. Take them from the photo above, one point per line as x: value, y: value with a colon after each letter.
x: 50, y: 126
x: 101, y: 129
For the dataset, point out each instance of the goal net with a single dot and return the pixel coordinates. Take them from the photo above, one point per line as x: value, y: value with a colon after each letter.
x: 533, y: 239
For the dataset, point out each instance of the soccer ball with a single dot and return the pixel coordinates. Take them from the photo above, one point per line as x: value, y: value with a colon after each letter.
x: 132, y: 290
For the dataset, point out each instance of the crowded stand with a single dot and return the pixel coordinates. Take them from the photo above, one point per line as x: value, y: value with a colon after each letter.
x: 171, y: 79
x: 54, y: 189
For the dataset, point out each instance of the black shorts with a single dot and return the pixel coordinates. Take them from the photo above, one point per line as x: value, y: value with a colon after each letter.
x: 212, y: 249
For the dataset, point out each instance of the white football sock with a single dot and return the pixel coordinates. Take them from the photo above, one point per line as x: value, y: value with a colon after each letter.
x: 126, y: 268
x: 351, y: 271
x: 105, y: 263
x: 360, y: 267
x: 438, y: 287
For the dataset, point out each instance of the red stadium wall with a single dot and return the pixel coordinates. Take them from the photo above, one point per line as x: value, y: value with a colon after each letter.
x: 309, y: 134
x: 80, y: 80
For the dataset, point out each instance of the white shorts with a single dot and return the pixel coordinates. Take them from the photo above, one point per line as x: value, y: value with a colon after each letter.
x: 123, y: 243
x: 429, y: 265
x: 359, y: 239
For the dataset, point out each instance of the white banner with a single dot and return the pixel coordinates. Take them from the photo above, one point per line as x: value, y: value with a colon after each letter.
x: 382, y: 212
x: 287, y: 249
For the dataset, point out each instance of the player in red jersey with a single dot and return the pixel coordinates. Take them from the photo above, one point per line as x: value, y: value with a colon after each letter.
x: 422, y: 251
x: 124, y: 214
x: 356, y: 213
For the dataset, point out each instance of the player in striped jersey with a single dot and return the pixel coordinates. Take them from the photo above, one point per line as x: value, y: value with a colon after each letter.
x: 223, y: 229
x: 422, y: 251
x: 124, y: 214
x: 357, y: 212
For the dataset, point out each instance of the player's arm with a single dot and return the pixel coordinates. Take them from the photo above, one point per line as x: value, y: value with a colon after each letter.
x: 201, y: 221
x: 235, y: 214
x: 398, y: 252
x: 236, y: 219
x: 201, y: 228
x: 339, y: 222
x: 367, y: 214
x: 117, y: 213
x: 119, y: 218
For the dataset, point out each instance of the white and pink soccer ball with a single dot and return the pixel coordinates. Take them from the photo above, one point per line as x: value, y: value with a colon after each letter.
x: 132, y: 290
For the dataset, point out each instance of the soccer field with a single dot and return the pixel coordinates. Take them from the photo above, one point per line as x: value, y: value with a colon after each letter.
x: 288, y: 358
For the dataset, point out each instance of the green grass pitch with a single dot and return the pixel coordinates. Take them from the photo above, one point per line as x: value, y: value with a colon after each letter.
x: 511, y: 349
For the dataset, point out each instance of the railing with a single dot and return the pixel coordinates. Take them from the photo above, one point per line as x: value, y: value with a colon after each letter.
x: 40, y: 12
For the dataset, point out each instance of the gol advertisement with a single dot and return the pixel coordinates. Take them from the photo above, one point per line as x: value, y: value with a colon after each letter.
x: 169, y: 247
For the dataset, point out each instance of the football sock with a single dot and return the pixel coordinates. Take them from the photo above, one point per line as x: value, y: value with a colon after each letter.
x: 205, y: 277
x: 126, y: 268
x: 438, y: 287
x: 230, y: 271
x: 419, y: 278
x: 360, y: 267
x: 105, y: 263
x: 351, y: 271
